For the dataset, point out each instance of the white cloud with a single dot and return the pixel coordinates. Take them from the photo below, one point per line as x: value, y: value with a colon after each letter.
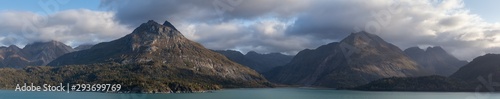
x: 415, y: 22
x: 261, y: 36
x: 74, y: 27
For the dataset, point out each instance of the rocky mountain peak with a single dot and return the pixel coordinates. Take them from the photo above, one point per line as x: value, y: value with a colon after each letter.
x: 51, y: 43
x: 13, y: 48
x: 439, y: 51
x: 152, y: 27
x: 362, y: 39
x: 435, y: 49
x: 151, y: 33
x: 365, y: 44
x: 166, y: 23
x: 44, y: 52
x: 47, y: 45
x: 252, y: 53
x: 415, y: 49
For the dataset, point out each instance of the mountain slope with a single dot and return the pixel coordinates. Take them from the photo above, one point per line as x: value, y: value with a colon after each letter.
x: 44, y: 52
x: 259, y: 62
x: 435, y: 60
x: 163, y: 48
x: 83, y: 47
x: 480, y: 75
x: 13, y: 57
x: 356, y: 60
x: 482, y: 66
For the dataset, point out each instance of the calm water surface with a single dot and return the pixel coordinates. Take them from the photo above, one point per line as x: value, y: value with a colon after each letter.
x: 257, y: 93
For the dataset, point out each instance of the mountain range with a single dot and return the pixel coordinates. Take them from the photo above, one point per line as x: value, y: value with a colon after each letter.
x: 157, y: 58
x: 34, y: 54
x: 480, y: 75
x: 153, y: 58
x: 357, y: 59
x: 435, y: 60
x: 259, y: 62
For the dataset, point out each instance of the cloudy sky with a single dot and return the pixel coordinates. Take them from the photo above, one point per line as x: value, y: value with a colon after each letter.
x: 465, y: 29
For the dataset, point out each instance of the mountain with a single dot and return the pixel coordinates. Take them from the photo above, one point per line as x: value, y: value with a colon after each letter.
x: 160, y: 54
x: 358, y: 59
x: 83, y: 47
x: 480, y: 75
x: 13, y: 57
x: 259, y: 62
x: 485, y: 66
x: 44, y: 52
x: 435, y: 60
x: 34, y: 54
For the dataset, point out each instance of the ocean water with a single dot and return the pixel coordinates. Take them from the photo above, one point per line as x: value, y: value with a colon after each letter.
x: 255, y: 93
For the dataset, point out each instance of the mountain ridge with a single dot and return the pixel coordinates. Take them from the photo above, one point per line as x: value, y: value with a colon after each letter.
x: 162, y: 49
x: 357, y: 59
x: 33, y: 54
x: 435, y: 60
x: 259, y: 62
x: 479, y: 75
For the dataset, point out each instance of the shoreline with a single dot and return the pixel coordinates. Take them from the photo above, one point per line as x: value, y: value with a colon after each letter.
x: 213, y: 91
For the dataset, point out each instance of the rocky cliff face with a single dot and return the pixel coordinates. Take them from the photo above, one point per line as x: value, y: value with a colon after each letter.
x: 356, y: 60
x: 259, y: 62
x: 435, y: 60
x: 34, y: 54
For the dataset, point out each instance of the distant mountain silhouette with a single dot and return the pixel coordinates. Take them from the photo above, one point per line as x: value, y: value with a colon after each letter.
x: 480, y: 75
x: 482, y: 66
x: 259, y: 62
x: 435, y: 60
x: 83, y: 47
x: 34, y: 54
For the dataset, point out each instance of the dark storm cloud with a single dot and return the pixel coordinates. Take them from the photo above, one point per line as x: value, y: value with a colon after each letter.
x: 134, y: 12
